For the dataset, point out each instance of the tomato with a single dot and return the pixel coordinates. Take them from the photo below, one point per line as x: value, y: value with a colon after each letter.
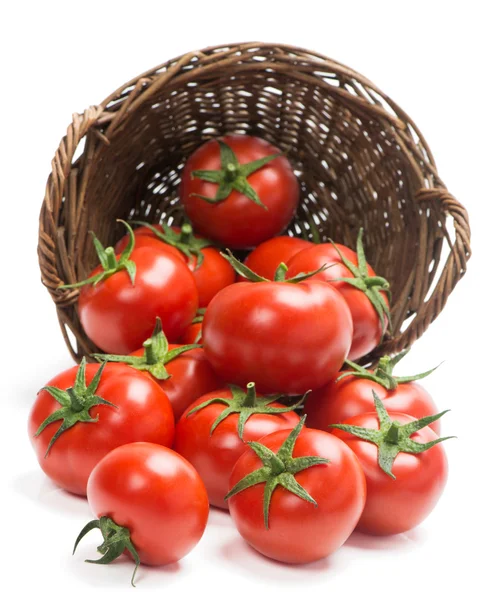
x: 212, y: 446
x: 210, y: 270
x: 122, y: 297
x: 405, y: 475
x: 190, y: 375
x: 87, y: 411
x: 193, y: 333
x: 265, y: 259
x: 347, y: 271
x: 239, y: 191
x: 152, y: 499
x: 287, y: 337
x: 352, y: 395
x: 297, y: 496
x: 213, y: 275
x: 182, y: 371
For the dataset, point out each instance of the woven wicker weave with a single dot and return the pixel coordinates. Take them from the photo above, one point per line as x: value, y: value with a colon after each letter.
x: 360, y: 160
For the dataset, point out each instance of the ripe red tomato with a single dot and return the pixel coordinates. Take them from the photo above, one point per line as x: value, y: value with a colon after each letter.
x: 190, y: 375
x: 369, y: 322
x: 353, y: 395
x: 286, y: 337
x: 122, y: 297
x: 182, y: 371
x: 93, y: 409
x: 117, y: 316
x: 265, y: 259
x: 239, y: 191
x: 210, y: 270
x: 297, y: 496
x: 213, y: 275
x: 193, y: 334
x: 154, y: 501
x: 214, y: 449
x: 404, y: 487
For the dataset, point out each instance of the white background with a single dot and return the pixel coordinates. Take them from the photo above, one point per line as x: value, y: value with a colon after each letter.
x: 58, y: 58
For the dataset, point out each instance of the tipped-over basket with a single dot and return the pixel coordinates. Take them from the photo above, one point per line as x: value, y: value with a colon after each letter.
x: 359, y: 158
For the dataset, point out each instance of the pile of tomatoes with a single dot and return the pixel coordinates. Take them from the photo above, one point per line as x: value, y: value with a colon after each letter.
x: 234, y: 384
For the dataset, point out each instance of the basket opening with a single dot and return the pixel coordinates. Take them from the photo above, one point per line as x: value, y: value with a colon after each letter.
x: 359, y: 158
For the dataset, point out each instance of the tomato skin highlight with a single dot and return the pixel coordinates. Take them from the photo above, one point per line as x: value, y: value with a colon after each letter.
x: 238, y: 222
x: 351, y: 396
x: 143, y: 413
x: 118, y: 316
x: 368, y: 330
x: 397, y: 505
x: 285, y: 337
x: 190, y: 376
x: 156, y: 494
x: 214, y: 273
x: 299, y: 532
x: 265, y: 259
x: 214, y: 456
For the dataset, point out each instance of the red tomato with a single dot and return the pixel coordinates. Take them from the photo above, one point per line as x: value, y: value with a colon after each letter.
x: 368, y: 327
x: 265, y: 259
x: 141, y: 412
x: 312, y: 510
x: 117, y: 316
x: 214, y: 453
x: 337, y: 402
x: 214, y: 272
x: 190, y: 375
x: 182, y: 371
x: 154, y: 496
x: 223, y: 189
x: 192, y: 335
x: 213, y: 275
x: 351, y: 394
x: 121, y: 299
x: 397, y: 505
x: 286, y: 337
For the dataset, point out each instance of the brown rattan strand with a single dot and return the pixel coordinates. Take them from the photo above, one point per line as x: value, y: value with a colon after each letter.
x: 360, y: 160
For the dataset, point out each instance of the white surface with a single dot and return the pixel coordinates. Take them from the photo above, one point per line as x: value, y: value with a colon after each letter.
x: 58, y: 58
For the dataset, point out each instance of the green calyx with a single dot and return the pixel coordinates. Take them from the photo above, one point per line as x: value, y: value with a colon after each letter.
x: 185, y: 241
x: 116, y: 540
x: 278, y: 470
x: 156, y: 354
x: 232, y: 176
x: 199, y: 316
x: 279, y: 276
x: 109, y: 262
x: 383, y: 374
x: 76, y: 403
x: 392, y: 438
x: 371, y: 286
x: 245, y: 404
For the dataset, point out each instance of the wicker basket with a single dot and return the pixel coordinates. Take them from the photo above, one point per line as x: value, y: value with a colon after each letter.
x: 360, y: 160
